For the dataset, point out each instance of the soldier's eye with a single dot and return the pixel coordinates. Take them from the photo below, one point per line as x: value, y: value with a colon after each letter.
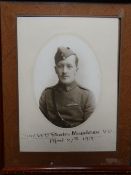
x: 60, y: 66
x: 69, y: 66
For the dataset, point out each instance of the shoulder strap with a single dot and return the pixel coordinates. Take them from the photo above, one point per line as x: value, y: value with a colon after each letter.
x: 81, y: 87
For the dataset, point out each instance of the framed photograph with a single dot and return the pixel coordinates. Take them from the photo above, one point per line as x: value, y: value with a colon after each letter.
x: 65, y: 88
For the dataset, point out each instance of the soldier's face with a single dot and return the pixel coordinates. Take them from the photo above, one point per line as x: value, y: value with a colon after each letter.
x: 66, y: 70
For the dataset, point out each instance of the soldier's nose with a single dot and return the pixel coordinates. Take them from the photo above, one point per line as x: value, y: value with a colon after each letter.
x: 64, y: 69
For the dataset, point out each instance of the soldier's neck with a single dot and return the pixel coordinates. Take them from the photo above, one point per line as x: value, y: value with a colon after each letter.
x: 67, y: 87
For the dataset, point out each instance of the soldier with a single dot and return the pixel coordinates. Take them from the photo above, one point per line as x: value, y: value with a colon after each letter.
x: 66, y: 104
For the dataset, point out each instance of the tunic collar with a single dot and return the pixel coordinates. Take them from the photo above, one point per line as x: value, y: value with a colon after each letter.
x: 67, y: 87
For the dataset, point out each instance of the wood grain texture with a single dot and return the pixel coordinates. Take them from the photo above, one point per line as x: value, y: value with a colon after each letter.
x: 64, y: 163
x: 1, y: 104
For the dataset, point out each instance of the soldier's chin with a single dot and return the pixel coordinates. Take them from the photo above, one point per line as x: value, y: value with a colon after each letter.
x: 66, y: 82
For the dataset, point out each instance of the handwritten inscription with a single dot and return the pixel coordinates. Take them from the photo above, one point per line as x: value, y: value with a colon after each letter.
x: 73, y: 136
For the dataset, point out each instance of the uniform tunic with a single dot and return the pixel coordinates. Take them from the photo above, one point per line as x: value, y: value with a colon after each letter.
x: 67, y: 106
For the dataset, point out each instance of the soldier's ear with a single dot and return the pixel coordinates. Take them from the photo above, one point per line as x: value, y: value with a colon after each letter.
x: 55, y: 69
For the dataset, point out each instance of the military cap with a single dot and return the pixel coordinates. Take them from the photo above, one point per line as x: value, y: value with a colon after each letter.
x: 62, y: 53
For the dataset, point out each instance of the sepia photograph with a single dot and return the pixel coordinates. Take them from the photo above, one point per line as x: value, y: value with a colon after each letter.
x: 68, y: 83
x: 67, y: 104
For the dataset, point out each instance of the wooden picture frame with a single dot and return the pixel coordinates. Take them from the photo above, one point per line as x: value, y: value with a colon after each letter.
x: 14, y: 161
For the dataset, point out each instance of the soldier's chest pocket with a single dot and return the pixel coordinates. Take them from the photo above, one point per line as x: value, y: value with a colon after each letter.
x: 75, y: 108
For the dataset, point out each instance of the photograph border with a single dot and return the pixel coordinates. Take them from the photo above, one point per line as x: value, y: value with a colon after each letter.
x: 84, y: 35
x: 12, y: 160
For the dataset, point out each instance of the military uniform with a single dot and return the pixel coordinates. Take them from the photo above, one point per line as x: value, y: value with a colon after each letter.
x: 67, y: 106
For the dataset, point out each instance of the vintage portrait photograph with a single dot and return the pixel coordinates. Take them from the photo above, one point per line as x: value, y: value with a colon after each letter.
x: 68, y: 83
x: 66, y: 104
